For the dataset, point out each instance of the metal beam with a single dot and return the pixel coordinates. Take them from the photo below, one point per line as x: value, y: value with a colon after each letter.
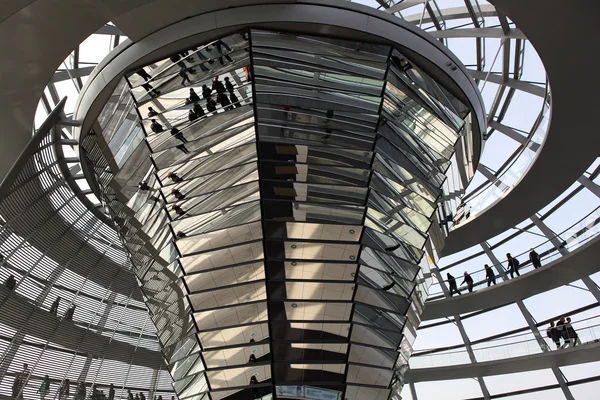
x: 485, y: 171
x: 511, y: 83
x: 514, y: 135
x: 75, y: 73
x: 589, y: 185
x: 487, y: 10
x: 478, y: 32
x: 403, y: 5
x: 464, y: 336
x: 108, y: 30
x: 550, y: 235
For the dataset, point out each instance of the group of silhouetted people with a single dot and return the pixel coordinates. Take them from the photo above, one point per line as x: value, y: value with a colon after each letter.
x: 563, y: 330
x: 10, y: 283
x: 513, y: 268
x: 64, y: 389
x: 228, y: 102
x: 68, y: 314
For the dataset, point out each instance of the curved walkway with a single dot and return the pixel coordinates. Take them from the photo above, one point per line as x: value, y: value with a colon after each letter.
x: 575, y: 355
x: 570, y: 139
x: 578, y: 264
x: 18, y: 313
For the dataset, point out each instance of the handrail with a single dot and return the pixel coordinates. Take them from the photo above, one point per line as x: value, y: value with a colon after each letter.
x: 544, y: 255
x: 585, y: 334
x: 421, y: 353
x: 481, y: 190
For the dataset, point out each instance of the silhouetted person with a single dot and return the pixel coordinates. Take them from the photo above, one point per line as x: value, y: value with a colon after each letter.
x: 151, y: 112
x: 452, y: 284
x: 513, y: 265
x: 491, y: 276
x: 218, y: 86
x: 211, y: 105
x: 151, y: 91
x: 327, y: 134
x: 176, y: 59
x: 224, y: 100
x: 182, y: 148
x: 193, y: 96
x: 560, y: 328
x: 178, y: 210
x: 184, y: 77
x: 54, y: 306
x: 129, y: 394
x: 192, y: 116
x: 206, y: 92
x: 534, y: 257
x: 174, y: 177
x: 143, y: 185
x: 180, y: 234
x: 468, y: 280
x: 20, y: 381
x: 81, y: 391
x: 143, y: 74
x: 251, y: 359
x: 156, y: 127
x: 142, y: 397
x: 44, y: 387
x: 554, y: 334
x: 228, y: 85
x: 234, y: 100
x: 70, y: 312
x: 176, y: 133
x: 10, y: 282
x: 198, y: 110
x: 571, y: 334
x: 177, y: 194
x: 219, y: 44
x: 64, y: 390
x: 254, y: 381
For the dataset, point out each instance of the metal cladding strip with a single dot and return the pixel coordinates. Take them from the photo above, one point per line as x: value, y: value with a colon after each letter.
x: 53, y: 246
x: 278, y: 239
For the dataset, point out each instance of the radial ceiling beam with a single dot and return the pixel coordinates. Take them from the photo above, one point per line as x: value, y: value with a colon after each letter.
x: 511, y: 83
x: 514, y: 135
x: 478, y: 32
x: 108, y: 30
x: 404, y: 5
x: 63, y: 75
x: 487, y: 10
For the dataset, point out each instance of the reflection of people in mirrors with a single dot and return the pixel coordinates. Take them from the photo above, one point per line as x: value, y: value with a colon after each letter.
x: 192, y: 116
x: 219, y: 44
x: 177, y: 134
x: 198, y: 110
x: 228, y: 85
x: 206, y: 92
x: 146, y: 77
x: 184, y: 77
x: 224, y: 100
x: 156, y: 127
x: 234, y: 100
x: 194, y: 96
x: 211, y: 105
x: 151, y: 112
